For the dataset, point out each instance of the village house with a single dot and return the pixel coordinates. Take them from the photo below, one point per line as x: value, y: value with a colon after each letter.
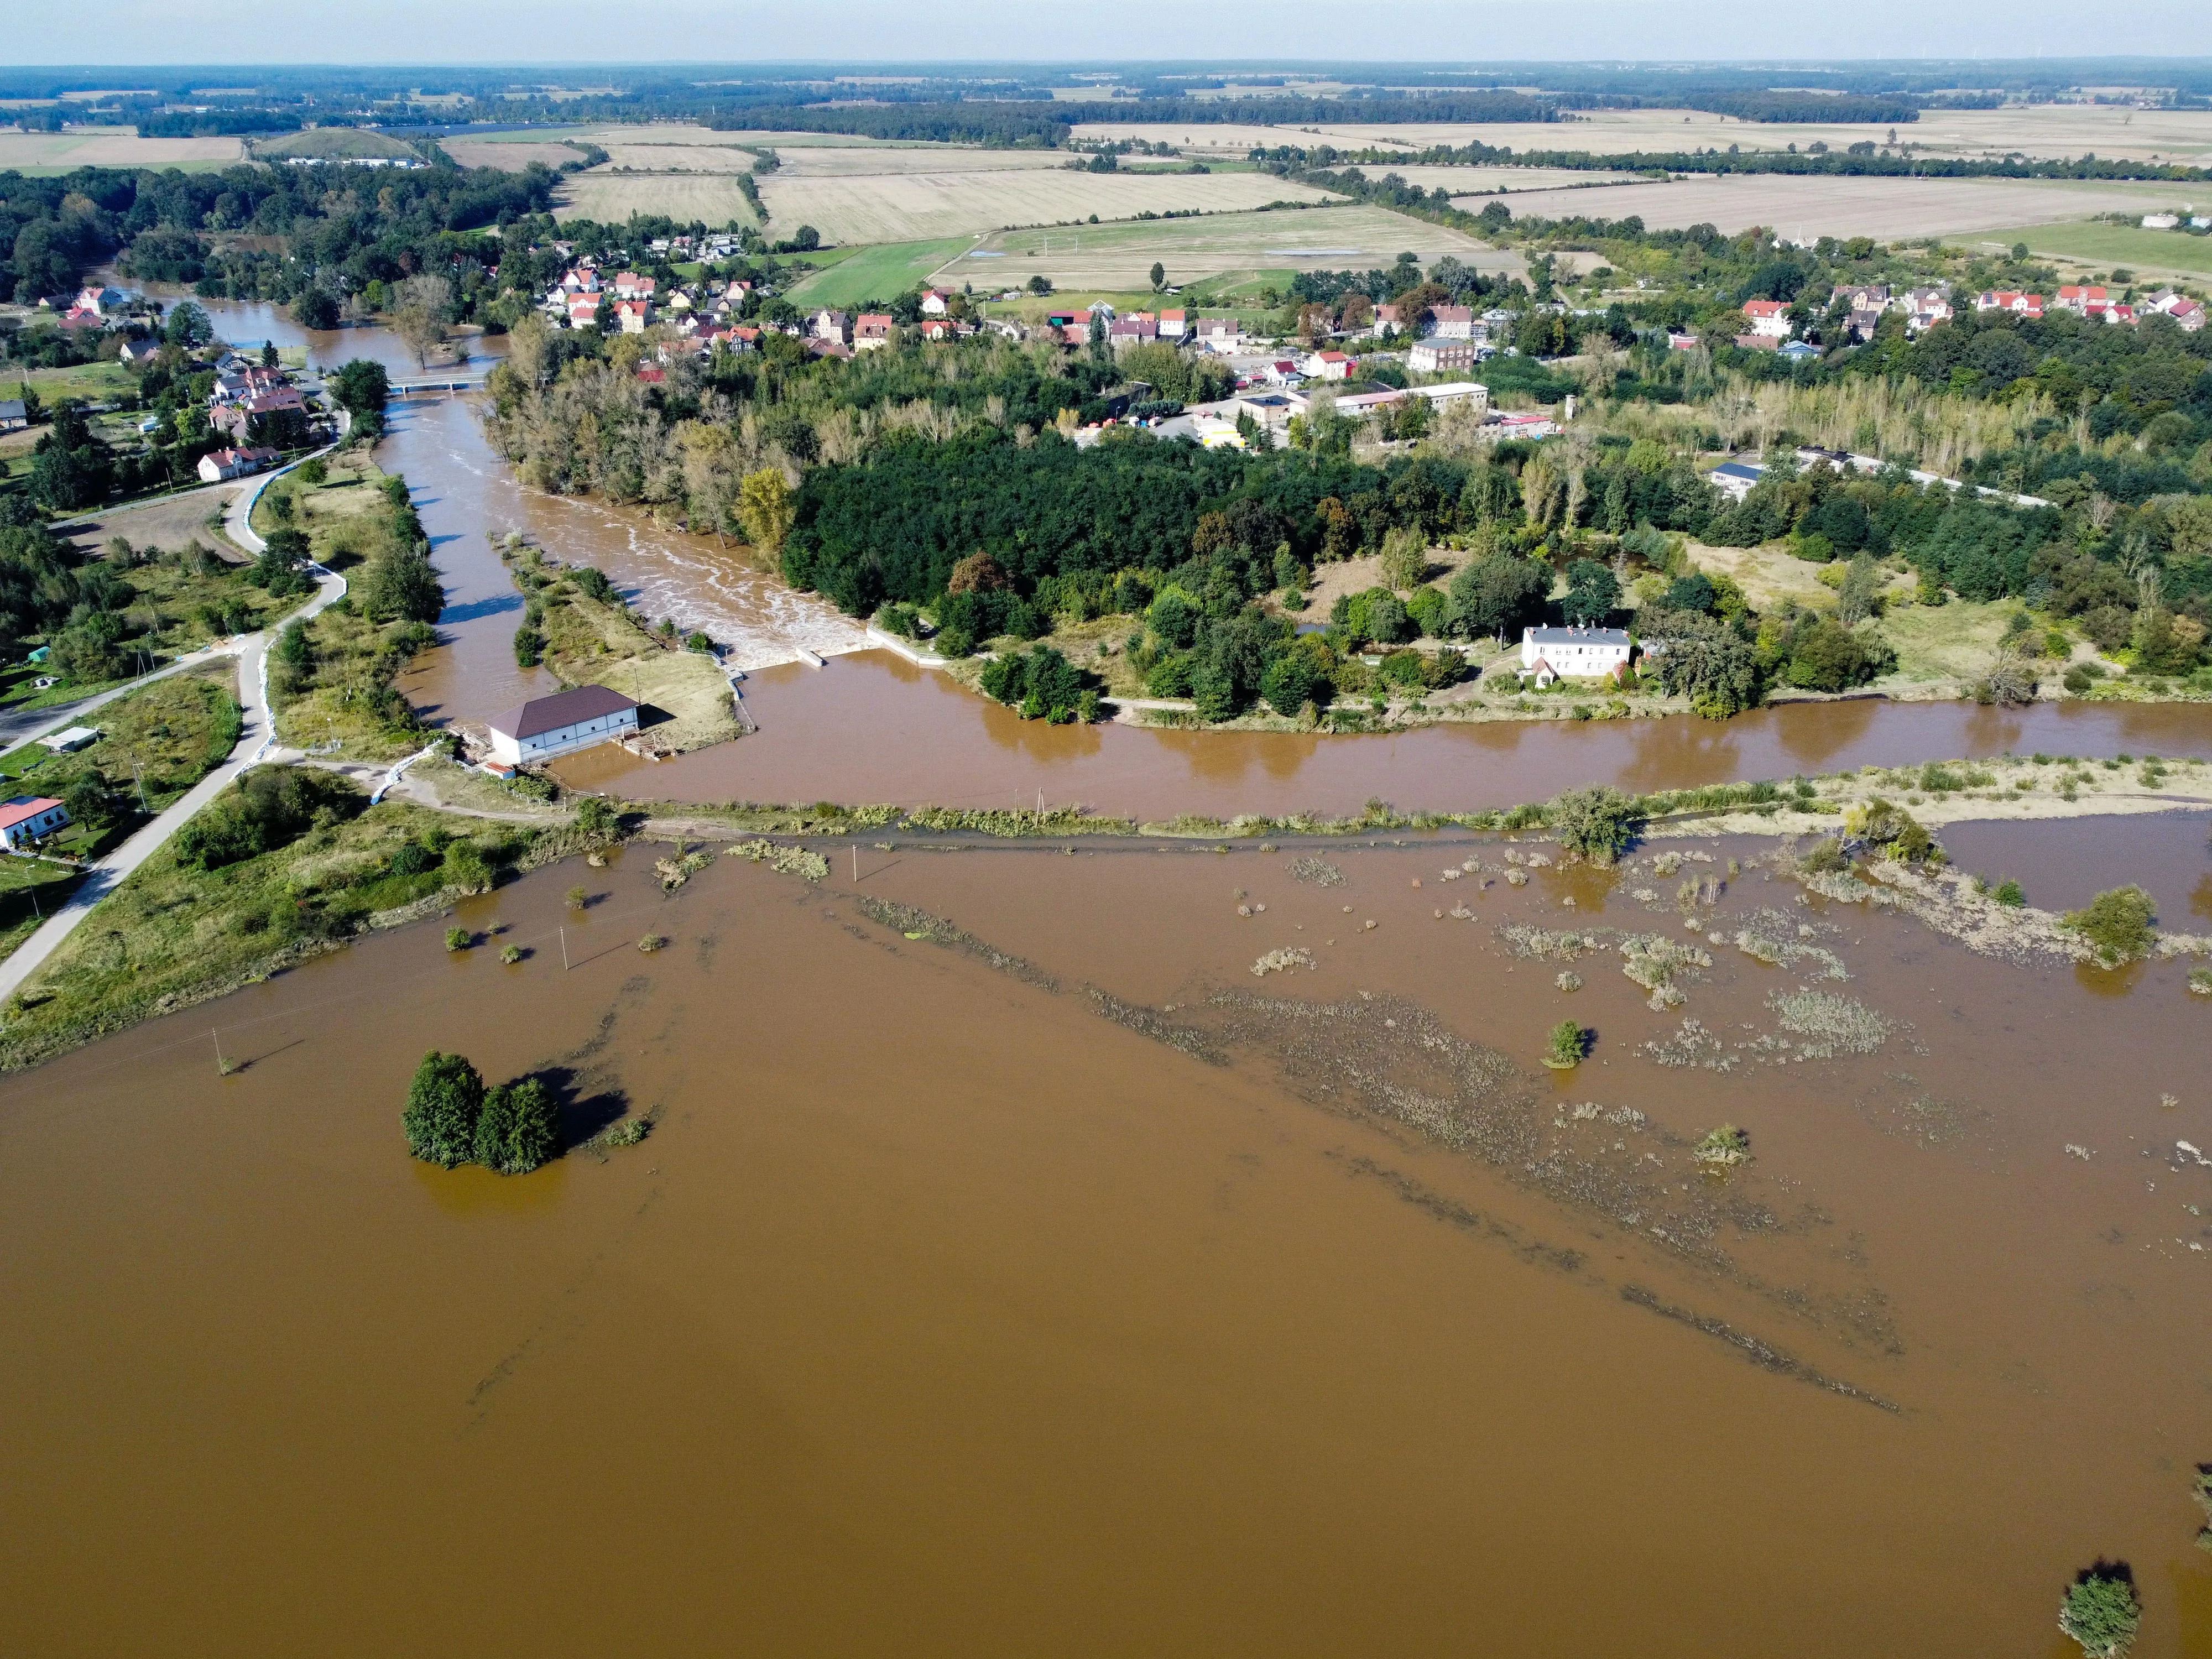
x: 832, y: 327
x: 1770, y: 319
x: 2082, y: 299
x: 1862, y: 296
x: 872, y: 331
x: 631, y: 316
x: 1678, y: 341
x: 236, y: 418
x: 1174, y: 325
x: 1573, y: 653
x: 2185, y: 312
x: 1220, y: 334
x: 583, y: 313
x: 1451, y: 322
x: 935, y: 302
x: 218, y: 466
x: 1387, y: 322
x: 562, y: 724
x: 13, y: 416
x: 28, y: 818
x: 629, y: 285
x: 1439, y: 356
x: 1734, y: 479
x: 1798, y: 351
x: 1860, y: 324
x: 1329, y: 366
x: 2005, y: 299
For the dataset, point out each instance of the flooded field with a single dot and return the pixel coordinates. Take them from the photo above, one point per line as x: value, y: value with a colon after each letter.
x: 967, y: 1280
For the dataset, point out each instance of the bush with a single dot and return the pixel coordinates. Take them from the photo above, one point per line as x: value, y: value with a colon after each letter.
x: 1724, y: 1147
x: 2101, y: 1611
x: 1598, y: 824
x: 518, y: 1129
x: 1041, y: 684
x: 2120, y: 926
x: 442, y: 1105
x: 268, y: 808
x: 1567, y: 1044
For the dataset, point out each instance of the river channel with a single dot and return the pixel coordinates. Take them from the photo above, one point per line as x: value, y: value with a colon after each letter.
x: 1061, y: 1285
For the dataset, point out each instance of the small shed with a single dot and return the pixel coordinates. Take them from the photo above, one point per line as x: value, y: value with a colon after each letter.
x: 68, y: 742
x: 562, y: 724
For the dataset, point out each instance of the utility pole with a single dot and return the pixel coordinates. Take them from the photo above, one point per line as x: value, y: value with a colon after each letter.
x: 139, y: 779
x: 564, y: 950
x: 221, y: 1064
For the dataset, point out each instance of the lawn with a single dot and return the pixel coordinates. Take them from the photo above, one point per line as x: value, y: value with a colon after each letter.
x: 101, y: 382
x: 2109, y: 245
x: 876, y: 273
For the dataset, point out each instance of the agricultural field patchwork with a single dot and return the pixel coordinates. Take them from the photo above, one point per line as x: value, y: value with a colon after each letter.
x: 112, y: 147
x: 913, y: 207
x: 509, y: 157
x: 612, y: 197
x: 1119, y: 257
x: 1887, y: 210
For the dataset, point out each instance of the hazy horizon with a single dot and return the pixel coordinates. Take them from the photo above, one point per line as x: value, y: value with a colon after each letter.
x: 557, y: 33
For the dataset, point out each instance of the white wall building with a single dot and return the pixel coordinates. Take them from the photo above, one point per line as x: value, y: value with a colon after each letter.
x: 1572, y: 654
x: 559, y: 725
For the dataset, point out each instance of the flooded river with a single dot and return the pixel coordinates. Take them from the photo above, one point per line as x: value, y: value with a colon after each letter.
x: 949, y: 1310
x: 1044, y: 1280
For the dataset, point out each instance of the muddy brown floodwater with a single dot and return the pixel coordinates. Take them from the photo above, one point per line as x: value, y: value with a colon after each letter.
x: 1010, y: 1270
x: 1097, y: 1297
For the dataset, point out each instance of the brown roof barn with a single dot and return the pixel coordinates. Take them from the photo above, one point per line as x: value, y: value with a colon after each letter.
x: 542, y: 714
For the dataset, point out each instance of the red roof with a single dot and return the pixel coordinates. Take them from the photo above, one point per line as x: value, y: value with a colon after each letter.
x: 14, y: 812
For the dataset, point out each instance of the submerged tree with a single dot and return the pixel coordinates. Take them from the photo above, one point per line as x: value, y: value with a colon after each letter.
x: 1596, y: 824
x: 443, y: 1103
x: 2101, y: 1611
x: 1568, y: 1043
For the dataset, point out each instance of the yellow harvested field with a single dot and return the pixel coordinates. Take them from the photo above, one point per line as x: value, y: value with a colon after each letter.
x: 111, y: 146
x: 2043, y: 130
x: 1117, y: 258
x: 1888, y: 210
x: 513, y: 158
x: 918, y: 206
x: 821, y: 160
x: 680, y: 158
x: 611, y: 198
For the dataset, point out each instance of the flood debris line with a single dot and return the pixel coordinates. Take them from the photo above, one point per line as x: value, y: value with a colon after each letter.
x: 784, y: 860
x: 1317, y: 871
x: 1760, y: 1352
x: 1693, y: 1045
x: 675, y: 871
x: 1282, y: 961
x: 1151, y: 1023
x: 936, y: 930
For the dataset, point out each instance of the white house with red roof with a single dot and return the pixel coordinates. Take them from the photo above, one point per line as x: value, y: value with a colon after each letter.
x: 1174, y: 325
x: 632, y: 315
x: 629, y: 285
x: 2011, y: 300
x: 583, y: 313
x: 1330, y: 366
x: 935, y: 302
x: 2082, y: 298
x: 1768, y: 318
x: 27, y: 818
x: 1573, y: 653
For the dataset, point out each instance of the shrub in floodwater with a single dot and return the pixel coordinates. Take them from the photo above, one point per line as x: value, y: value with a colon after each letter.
x: 450, y: 1118
x: 628, y: 1132
x: 2200, y: 982
x: 1825, y: 858
x: 511, y: 954
x: 2101, y: 1611
x: 2011, y: 894
x: 517, y: 1127
x: 1569, y: 981
x: 458, y: 938
x: 1900, y: 835
x: 1598, y: 824
x: 2118, y: 925
x: 651, y: 943
x: 577, y: 898
x: 1569, y: 1042
x: 1724, y: 1147
x: 2203, y: 1493
x: 442, y: 1105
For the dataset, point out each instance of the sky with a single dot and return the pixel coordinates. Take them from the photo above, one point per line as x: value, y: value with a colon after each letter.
x: 581, y: 32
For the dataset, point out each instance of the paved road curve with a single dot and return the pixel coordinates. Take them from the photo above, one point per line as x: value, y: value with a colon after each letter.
x: 256, y: 733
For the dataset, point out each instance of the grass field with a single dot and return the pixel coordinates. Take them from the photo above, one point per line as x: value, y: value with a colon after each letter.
x: 917, y: 206
x: 2107, y: 245
x: 509, y: 158
x: 1888, y: 210
x: 48, y: 153
x: 1119, y: 257
x: 611, y: 198
x: 876, y: 273
x: 94, y: 382
x: 332, y: 144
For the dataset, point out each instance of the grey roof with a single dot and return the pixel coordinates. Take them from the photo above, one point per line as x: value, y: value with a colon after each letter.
x: 11, y: 409
x: 1738, y: 470
x: 1579, y: 635
x: 542, y: 714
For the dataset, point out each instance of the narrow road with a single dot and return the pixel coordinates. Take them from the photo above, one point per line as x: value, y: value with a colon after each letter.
x: 256, y: 735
